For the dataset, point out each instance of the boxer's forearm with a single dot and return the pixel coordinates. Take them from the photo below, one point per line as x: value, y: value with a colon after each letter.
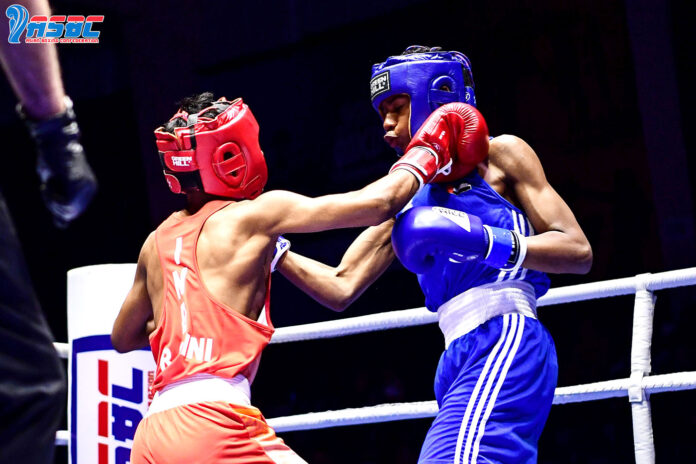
x: 314, y: 278
x: 33, y: 70
x: 558, y: 253
x: 281, y: 212
x: 337, y: 287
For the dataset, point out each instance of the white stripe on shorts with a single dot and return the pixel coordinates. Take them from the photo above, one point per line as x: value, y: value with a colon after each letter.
x: 472, y: 400
x: 486, y: 395
x: 494, y: 396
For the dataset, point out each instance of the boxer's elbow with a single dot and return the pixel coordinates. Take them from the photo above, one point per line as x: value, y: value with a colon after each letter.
x: 336, y: 301
x: 341, y: 298
x: 345, y: 291
x: 123, y: 343
x: 583, y: 258
x: 339, y: 305
x: 573, y: 253
x: 576, y: 258
x: 118, y: 342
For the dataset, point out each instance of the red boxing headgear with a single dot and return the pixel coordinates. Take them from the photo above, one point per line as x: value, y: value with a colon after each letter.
x: 224, y: 151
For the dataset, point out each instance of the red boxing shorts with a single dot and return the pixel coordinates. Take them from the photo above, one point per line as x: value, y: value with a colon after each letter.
x: 208, y: 432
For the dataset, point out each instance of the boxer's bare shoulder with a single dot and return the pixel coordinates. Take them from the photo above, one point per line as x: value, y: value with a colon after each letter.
x: 510, y: 161
x: 513, y: 157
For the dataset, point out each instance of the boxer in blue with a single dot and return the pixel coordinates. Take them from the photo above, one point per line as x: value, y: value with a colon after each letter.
x: 481, y: 242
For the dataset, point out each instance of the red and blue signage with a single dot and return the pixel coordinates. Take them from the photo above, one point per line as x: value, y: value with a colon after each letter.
x: 110, y: 394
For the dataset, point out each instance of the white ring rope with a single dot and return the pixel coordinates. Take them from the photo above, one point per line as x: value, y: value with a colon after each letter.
x: 421, y: 316
x: 424, y: 409
x: 355, y: 325
x: 355, y: 416
x: 634, y: 386
x: 62, y: 437
x: 615, y: 388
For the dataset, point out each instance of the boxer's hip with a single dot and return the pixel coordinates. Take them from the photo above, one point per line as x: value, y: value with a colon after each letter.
x: 468, y: 310
x: 494, y: 387
x: 207, y: 420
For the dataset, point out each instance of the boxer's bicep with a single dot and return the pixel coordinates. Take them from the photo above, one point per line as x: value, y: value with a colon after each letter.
x: 278, y: 212
x: 543, y: 205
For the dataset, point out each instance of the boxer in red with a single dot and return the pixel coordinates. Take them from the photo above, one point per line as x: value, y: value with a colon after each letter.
x: 200, y: 297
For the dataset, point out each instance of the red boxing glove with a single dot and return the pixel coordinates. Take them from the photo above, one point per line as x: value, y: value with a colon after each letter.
x: 448, y: 146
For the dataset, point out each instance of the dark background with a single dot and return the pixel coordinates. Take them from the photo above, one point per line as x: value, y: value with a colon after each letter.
x: 601, y: 89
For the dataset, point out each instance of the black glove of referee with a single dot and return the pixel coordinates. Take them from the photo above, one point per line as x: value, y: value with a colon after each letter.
x: 67, y: 181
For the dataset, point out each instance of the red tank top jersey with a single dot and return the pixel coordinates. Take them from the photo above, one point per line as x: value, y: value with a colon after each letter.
x: 196, y: 333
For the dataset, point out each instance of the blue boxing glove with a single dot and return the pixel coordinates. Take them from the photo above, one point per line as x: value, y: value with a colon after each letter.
x: 67, y: 181
x: 423, y: 233
x: 281, y: 247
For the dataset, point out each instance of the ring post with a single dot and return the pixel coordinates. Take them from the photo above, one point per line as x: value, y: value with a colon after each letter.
x: 107, y: 391
x: 643, y: 310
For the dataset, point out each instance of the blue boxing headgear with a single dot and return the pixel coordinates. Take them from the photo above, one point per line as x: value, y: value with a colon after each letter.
x: 422, y: 76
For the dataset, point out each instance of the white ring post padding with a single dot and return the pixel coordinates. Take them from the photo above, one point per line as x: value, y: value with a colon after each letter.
x: 643, y: 444
x: 643, y: 311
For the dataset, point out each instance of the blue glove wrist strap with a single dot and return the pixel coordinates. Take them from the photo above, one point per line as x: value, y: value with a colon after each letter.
x: 501, y: 244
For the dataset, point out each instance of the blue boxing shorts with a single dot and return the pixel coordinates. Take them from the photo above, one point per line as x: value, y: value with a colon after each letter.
x: 494, y: 387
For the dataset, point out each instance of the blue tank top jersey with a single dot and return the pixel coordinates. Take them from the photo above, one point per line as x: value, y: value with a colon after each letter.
x: 448, y: 278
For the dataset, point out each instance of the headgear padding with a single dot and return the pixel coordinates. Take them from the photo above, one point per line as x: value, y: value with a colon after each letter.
x: 223, y: 150
x: 424, y: 77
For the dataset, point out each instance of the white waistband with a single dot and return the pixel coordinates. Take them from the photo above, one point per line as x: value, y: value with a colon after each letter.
x: 468, y: 310
x: 200, y: 388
